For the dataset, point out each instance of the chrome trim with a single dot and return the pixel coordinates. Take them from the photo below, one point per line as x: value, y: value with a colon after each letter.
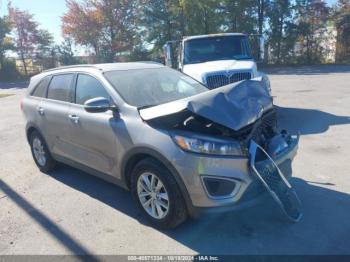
x: 232, y: 76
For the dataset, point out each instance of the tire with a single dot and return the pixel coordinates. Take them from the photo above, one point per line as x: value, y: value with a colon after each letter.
x: 176, y: 212
x: 47, y: 163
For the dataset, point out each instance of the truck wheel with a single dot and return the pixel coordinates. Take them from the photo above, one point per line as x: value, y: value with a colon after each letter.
x: 157, y: 194
x: 41, y: 153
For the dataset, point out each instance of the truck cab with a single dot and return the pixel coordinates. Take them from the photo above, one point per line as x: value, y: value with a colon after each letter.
x: 217, y: 59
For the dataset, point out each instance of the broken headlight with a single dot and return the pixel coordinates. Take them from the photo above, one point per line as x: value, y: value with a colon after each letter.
x: 208, y: 146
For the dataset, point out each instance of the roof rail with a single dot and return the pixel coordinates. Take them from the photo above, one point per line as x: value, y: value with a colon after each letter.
x: 71, y: 66
x: 150, y: 62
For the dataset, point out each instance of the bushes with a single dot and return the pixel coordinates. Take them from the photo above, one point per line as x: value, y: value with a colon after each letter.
x: 8, y: 71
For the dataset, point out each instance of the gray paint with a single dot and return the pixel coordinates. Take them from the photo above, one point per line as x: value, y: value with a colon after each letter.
x: 101, y: 141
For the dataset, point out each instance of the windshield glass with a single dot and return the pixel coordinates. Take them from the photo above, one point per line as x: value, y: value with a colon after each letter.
x: 149, y: 87
x: 216, y: 48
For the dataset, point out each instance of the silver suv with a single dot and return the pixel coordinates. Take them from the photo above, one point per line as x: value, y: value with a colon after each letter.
x: 179, y: 147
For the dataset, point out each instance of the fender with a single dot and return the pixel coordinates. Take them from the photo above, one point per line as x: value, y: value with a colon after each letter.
x: 152, y: 153
x: 30, y: 125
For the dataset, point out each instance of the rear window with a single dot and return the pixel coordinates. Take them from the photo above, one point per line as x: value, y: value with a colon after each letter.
x: 60, y: 88
x: 40, y: 89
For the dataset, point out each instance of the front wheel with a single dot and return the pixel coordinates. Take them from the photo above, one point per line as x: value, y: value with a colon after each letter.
x: 157, y: 194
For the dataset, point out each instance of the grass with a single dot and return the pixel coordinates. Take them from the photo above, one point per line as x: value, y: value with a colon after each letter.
x: 5, y: 95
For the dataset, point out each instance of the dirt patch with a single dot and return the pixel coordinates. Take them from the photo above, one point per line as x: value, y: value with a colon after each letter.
x: 6, y: 95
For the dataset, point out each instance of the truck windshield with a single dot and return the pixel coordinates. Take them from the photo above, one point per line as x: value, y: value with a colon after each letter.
x: 216, y: 48
x: 150, y: 87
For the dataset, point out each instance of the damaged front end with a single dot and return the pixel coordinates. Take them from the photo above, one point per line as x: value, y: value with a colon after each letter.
x: 243, y: 113
x: 272, y: 178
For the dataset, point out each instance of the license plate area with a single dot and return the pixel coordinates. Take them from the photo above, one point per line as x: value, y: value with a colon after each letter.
x: 272, y: 178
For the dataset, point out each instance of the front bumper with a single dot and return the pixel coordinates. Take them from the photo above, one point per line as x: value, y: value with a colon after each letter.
x: 194, y: 167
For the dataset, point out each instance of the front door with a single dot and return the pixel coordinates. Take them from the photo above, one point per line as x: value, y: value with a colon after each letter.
x: 92, y: 135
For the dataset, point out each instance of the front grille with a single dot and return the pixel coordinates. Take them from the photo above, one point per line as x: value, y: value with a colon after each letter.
x: 240, y: 76
x: 222, y: 79
x: 270, y: 176
x: 254, y: 190
x: 269, y: 173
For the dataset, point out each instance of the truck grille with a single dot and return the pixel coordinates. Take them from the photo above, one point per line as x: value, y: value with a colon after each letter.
x: 222, y: 79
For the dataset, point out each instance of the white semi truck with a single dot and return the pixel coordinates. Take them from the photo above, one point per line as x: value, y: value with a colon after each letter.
x: 217, y: 59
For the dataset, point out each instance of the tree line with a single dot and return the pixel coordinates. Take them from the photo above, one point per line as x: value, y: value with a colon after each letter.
x: 297, y: 31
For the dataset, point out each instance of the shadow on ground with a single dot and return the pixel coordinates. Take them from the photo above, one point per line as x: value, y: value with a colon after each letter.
x: 308, y: 121
x: 45, y: 222
x: 307, y: 70
x: 258, y: 230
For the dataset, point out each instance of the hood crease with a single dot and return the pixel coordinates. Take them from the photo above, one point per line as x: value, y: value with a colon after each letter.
x: 233, y: 106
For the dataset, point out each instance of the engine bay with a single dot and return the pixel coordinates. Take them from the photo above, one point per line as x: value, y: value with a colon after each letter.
x: 261, y: 131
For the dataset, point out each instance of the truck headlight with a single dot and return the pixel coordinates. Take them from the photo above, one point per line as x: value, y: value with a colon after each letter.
x: 207, y: 146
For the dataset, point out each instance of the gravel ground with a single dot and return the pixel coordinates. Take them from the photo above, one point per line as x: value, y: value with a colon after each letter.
x: 70, y: 212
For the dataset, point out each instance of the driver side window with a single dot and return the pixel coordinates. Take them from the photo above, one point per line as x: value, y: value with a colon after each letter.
x: 87, y: 88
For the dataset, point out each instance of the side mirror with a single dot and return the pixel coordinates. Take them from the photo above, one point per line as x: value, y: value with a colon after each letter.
x: 97, y: 105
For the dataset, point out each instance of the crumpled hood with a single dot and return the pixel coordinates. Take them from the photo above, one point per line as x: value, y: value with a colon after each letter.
x: 197, y: 71
x: 233, y: 106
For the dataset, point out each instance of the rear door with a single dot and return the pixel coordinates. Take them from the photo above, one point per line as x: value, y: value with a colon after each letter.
x: 33, y: 105
x: 92, y: 135
x: 54, y: 113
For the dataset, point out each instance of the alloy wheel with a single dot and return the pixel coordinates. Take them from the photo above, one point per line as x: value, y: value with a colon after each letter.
x: 39, y: 152
x: 153, y: 195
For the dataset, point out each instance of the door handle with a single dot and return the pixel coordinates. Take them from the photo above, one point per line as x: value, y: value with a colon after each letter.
x: 74, y: 118
x: 40, y: 110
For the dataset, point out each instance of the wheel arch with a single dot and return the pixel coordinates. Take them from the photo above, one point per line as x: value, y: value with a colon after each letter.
x: 29, y: 130
x: 138, y: 154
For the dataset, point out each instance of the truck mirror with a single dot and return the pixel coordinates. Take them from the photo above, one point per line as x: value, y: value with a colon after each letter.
x: 261, y: 49
x: 257, y: 43
x: 168, y: 54
x: 171, y: 53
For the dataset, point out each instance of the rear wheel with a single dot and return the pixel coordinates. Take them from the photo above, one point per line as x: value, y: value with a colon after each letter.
x: 41, y: 153
x: 157, y: 194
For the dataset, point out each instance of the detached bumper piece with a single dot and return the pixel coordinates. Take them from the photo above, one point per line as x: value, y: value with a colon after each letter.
x: 270, y: 175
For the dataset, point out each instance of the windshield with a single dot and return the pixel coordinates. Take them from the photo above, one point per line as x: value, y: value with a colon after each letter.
x: 149, y: 87
x: 216, y: 48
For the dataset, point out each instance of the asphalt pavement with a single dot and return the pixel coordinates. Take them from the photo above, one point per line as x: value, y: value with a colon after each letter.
x: 71, y: 212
